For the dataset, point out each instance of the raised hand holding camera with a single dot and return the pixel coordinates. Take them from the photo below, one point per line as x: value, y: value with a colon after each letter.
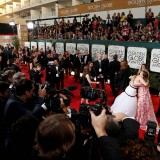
x: 99, y: 122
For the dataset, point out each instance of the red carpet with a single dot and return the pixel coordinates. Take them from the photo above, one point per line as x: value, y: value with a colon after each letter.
x: 75, y: 102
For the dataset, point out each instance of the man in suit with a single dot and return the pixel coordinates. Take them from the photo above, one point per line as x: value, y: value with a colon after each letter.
x: 78, y: 63
x: 112, y: 135
x: 106, y: 65
x: 86, y: 58
x: 15, y: 66
x: 99, y: 69
x: 114, y: 67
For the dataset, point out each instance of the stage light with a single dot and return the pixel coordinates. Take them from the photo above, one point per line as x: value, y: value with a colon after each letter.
x: 12, y: 22
x: 81, y: 74
x: 30, y: 25
x: 72, y: 73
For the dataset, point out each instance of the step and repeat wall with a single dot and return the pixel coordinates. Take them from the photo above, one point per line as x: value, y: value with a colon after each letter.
x: 136, y: 53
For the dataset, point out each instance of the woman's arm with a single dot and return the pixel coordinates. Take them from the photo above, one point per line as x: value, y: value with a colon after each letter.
x: 144, y: 82
x: 89, y: 80
x: 139, y: 81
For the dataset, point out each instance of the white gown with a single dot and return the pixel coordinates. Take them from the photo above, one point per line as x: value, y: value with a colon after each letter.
x: 126, y: 102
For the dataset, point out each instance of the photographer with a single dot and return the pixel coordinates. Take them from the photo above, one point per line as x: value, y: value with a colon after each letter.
x: 8, y: 76
x: 54, y: 137
x: 4, y: 95
x: 17, y: 103
x: 113, y: 135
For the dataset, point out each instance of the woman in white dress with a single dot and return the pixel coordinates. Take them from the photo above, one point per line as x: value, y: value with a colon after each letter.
x: 126, y: 102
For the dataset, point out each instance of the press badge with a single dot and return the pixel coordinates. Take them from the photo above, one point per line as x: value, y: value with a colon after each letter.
x: 100, y: 69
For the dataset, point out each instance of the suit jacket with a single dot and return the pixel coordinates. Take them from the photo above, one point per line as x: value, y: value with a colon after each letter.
x: 122, y: 79
x: 114, y: 67
x: 97, y: 66
x: 78, y: 63
x: 16, y: 108
x: 86, y: 59
x: 35, y: 75
x: 15, y: 67
x: 106, y: 65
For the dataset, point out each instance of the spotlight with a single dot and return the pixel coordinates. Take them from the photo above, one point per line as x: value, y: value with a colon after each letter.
x: 30, y: 25
x: 12, y: 22
x: 72, y: 73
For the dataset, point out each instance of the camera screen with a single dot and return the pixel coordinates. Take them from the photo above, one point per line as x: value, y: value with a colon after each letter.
x: 151, y: 131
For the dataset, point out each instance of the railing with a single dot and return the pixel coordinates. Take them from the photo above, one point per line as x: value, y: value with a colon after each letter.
x: 16, y: 8
x: 32, y: 3
x: 51, y: 14
x: 25, y: 5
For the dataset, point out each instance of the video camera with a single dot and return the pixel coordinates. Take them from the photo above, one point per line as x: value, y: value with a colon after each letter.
x: 92, y: 94
x: 52, y: 100
x: 150, y: 135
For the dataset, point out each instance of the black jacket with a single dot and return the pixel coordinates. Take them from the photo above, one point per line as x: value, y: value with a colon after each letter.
x: 16, y: 108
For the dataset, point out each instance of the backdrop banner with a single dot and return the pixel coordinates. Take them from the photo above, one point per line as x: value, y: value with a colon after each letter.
x: 155, y: 60
x: 71, y: 48
x: 27, y: 44
x: 97, y: 48
x: 41, y: 45
x: 106, y: 5
x: 49, y: 44
x: 83, y: 48
x: 34, y: 44
x: 119, y: 50
x: 59, y: 48
x: 136, y: 56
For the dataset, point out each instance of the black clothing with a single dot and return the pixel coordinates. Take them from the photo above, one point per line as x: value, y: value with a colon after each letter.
x: 110, y: 147
x: 106, y: 71
x: 86, y: 59
x: 99, y: 68
x: 35, y: 75
x: 85, y: 83
x: 122, y: 79
x: 114, y: 67
x: 15, y: 67
x: 16, y: 108
x: 78, y: 67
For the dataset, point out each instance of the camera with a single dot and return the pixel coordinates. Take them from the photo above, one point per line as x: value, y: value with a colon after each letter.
x: 83, y: 116
x: 150, y: 135
x: 53, y: 100
x: 90, y: 93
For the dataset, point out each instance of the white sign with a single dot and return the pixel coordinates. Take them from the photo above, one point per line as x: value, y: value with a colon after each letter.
x: 155, y: 60
x: 27, y: 44
x: 83, y: 48
x: 49, y: 44
x: 71, y: 47
x: 59, y: 48
x: 96, y: 48
x: 34, y: 44
x: 118, y: 50
x: 136, y: 56
x: 41, y: 45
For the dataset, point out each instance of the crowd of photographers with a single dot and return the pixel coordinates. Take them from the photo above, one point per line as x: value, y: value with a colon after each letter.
x: 119, y: 27
x: 37, y: 122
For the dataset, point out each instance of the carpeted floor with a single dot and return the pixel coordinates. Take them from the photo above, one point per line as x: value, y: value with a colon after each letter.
x: 75, y: 102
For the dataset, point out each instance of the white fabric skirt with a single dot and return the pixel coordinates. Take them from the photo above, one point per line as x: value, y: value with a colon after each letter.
x: 126, y: 102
